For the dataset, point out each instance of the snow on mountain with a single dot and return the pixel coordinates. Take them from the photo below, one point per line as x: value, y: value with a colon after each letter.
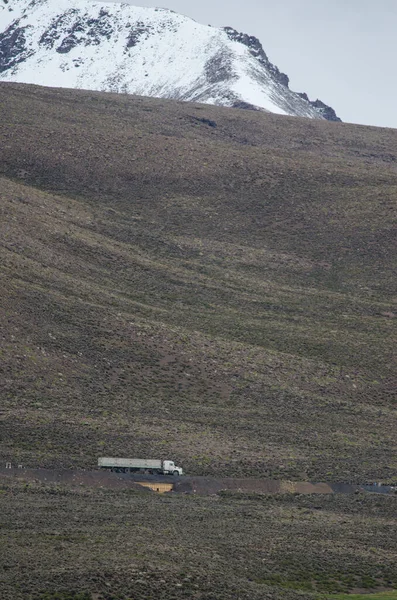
x: 145, y: 51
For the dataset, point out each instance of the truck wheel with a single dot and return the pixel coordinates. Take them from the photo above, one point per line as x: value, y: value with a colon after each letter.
x: 176, y: 473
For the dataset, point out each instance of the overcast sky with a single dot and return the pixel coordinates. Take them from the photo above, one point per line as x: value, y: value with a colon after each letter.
x: 341, y: 51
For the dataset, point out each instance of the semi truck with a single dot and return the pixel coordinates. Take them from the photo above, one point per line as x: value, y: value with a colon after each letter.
x: 140, y: 465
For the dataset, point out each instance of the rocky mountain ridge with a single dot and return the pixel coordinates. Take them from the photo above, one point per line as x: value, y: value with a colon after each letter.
x: 145, y: 51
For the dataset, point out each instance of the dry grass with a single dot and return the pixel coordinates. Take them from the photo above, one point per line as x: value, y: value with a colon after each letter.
x: 125, y: 544
x: 223, y: 296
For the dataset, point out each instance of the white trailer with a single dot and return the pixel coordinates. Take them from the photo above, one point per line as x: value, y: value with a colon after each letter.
x: 139, y: 465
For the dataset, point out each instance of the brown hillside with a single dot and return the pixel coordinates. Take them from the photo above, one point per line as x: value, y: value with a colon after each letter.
x: 206, y: 284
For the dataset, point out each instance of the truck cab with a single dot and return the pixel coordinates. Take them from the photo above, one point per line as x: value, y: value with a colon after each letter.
x: 169, y: 468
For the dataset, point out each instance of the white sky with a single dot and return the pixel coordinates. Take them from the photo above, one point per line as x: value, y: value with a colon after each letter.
x: 341, y: 51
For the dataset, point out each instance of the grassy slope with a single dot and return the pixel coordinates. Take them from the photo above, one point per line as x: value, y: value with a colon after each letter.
x: 128, y: 545
x: 380, y: 596
x: 222, y: 296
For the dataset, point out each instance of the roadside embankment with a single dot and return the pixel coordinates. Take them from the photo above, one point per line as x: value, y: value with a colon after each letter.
x: 183, y: 485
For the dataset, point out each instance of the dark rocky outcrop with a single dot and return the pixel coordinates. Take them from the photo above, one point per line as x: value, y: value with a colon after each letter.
x: 219, y: 68
x: 256, y: 49
x: 325, y: 110
x: 13, y: 47
x: 136, y: 34
x: 245, y: 105
x: 83, y: 32
x: 205, y: 121
x: 54, y: 32
x: 68, y: 43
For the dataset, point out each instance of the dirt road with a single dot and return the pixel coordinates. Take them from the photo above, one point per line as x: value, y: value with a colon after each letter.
x: 186, y: 484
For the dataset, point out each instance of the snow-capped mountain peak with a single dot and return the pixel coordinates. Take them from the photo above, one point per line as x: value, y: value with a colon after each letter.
x: 145, y: 51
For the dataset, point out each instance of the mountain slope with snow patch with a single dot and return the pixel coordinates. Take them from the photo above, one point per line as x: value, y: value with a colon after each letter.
x: 145, y: 51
